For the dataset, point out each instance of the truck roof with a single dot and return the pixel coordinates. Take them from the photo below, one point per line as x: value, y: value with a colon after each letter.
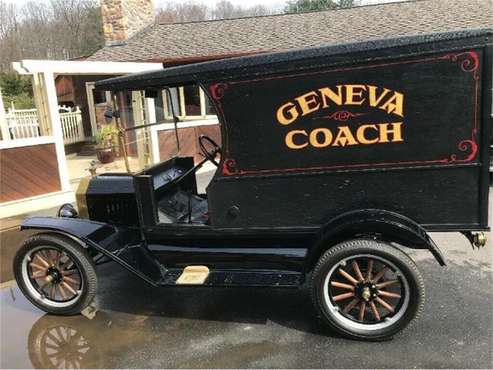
x: 274, y: 62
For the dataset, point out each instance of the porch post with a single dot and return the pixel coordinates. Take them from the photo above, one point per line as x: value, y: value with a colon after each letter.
x: 56, y: 127
x: 40, y: 103
x: 3, y: 121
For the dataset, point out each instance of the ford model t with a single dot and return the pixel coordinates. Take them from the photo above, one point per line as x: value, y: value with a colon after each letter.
x: 334, y: 161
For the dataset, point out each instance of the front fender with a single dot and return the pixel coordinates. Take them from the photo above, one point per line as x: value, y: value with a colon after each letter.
x: 93, y: 234
x: 385, y: 225
x: 106, y: 239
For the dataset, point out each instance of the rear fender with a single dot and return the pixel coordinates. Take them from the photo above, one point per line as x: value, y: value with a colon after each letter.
x: 106, y: 239
x: 380, y: 224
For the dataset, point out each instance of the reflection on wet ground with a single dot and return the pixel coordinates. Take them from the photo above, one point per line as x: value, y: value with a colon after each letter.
x: 141, y: 326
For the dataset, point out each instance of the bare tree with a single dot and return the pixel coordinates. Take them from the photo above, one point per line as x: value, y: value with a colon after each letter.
x: 61, y: 29
x: 190, y: 11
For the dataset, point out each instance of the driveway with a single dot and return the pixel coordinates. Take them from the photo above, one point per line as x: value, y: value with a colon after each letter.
x: 139, y: 326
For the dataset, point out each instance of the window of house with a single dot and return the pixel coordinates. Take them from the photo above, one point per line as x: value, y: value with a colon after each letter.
x: 100, y: 96
x: 191, y: 98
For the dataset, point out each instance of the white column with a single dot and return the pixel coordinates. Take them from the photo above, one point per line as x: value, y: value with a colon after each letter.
x: 40, y: 103
x: 3, y: 121
x: 56, y: 128
x: 150, y: 113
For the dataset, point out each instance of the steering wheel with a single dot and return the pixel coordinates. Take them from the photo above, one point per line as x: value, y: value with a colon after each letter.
x: 210, y: 154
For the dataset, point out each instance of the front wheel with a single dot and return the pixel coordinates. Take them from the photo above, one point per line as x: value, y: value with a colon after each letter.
x: 56, y: 274
x: 366, y: 289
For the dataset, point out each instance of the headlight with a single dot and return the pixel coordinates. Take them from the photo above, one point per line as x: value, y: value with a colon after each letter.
x: 67, y: 210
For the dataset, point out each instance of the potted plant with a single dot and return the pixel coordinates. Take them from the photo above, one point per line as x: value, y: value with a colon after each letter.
x: 105, y: 143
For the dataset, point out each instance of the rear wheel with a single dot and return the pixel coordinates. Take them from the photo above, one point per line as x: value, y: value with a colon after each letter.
x: 56, y: 274
x: 367, y: 289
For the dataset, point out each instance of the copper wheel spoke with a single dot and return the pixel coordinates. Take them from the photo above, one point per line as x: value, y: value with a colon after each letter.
x: 348, y: 277
x: 52, y: 292
x: 70, y: 280
x: 65, y: 265
x: 72, y: 285
x: 374, y: 311
x: 57, y: 258
x: 383, y: 293
x: 62, y: 291
x: 362, y: 309
x: 350, y: 305
x: 37, y: 274
x: 69, y: 288
x: 369, y: 270
x: 385, y: 305
x: 342, y: 285
x: 343, y: 296
x: 380, y: 274
x: 67, y: 273
x: 356, y: 269
x: 43, y: 261
x: 386, y: 283
x: 39, y: 267
x: 49, y: 256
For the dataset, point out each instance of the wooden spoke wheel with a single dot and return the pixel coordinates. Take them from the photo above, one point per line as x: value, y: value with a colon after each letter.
x: 367, y: 289
x: 53, y: 275
x: 56, y: 274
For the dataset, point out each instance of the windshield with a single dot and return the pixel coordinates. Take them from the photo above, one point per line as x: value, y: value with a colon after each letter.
x: 146, y: 121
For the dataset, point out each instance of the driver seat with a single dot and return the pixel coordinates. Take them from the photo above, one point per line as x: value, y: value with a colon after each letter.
x: 183, y: 207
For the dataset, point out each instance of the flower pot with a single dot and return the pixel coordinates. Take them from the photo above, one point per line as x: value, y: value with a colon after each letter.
x: 105, y: 155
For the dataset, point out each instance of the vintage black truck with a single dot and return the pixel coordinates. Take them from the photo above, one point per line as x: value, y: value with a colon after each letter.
x: 334, y: 161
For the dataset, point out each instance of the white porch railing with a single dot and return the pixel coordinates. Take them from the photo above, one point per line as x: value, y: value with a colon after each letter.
x: 73, y: 132
x: 24, y: 123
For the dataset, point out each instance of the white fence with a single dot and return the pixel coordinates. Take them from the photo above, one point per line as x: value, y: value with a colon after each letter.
x: 73, y: 132
x: 24, y: 123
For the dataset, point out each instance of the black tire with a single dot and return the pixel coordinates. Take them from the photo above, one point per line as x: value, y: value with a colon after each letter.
x: 82, y: 262
x: 344, y: 323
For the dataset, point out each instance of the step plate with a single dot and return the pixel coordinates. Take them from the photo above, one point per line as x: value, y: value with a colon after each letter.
x: 193, y: 275
x: 260, y: 278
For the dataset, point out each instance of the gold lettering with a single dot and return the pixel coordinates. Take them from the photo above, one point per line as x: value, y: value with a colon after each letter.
x: 327, y: 137
x: 395, y: 131
x: 344, y: 137
x: 328, y: 94
x: 282, y: 111
x: 372, y: 95
x: 290, y: 139
x: 394, y: 104
x: 354, y: 91
x: 360, y: 134
x: 308, y: 102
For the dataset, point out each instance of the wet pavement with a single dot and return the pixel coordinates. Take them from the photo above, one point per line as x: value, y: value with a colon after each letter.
x: 140, y: 326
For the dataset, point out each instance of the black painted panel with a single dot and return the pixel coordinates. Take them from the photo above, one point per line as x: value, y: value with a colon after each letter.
x: 428, y: 196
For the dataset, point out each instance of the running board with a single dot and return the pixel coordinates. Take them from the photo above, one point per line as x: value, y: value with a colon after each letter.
x: 192, y: 275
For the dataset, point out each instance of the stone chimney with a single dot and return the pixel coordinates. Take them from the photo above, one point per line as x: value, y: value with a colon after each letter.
x: 124, y: 18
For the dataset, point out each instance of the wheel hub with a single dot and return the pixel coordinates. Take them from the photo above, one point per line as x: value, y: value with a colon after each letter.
x: 54, y: 276
x: 365, y: 291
